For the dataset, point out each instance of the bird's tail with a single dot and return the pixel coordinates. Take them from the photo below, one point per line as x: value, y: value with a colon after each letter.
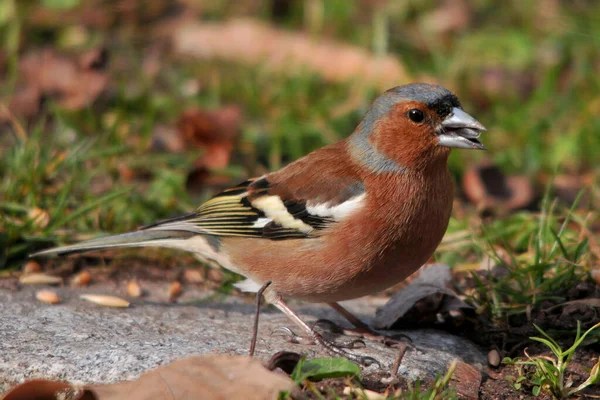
x: 142, y: 238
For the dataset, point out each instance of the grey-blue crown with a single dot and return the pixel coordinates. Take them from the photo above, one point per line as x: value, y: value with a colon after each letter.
x: 437, y: 98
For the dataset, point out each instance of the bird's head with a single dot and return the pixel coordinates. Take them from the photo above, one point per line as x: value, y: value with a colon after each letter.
x: 413, y: 125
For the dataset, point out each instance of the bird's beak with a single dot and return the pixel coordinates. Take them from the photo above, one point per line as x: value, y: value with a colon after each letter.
x: 461, y: 130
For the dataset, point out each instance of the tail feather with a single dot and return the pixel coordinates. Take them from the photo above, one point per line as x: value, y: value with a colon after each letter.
x: 142, y: 238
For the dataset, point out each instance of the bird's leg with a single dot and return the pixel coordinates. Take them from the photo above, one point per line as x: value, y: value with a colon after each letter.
x: 363, y: 330
x: 358, y: 324
x: 278, y: 302
x: 256, y: 315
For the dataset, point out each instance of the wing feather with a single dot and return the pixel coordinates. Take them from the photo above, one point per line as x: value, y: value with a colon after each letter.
x: 251, y: 209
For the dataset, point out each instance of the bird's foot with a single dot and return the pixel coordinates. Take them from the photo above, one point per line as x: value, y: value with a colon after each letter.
x: 338, y: 349
x: 365, y: 332
x: 292, y: 337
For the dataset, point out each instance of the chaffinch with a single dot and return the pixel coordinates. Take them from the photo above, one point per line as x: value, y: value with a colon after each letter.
x: 347, y: 220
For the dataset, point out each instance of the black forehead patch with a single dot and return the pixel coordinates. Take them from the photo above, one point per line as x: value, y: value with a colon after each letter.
x: 437, y: 98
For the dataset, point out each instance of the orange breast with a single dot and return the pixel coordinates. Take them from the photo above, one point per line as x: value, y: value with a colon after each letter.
x: 403, y: 221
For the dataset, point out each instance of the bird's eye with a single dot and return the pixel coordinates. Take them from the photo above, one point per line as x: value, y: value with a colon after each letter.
x: 416, y: 115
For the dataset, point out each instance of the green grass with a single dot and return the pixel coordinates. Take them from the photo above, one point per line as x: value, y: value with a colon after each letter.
x: 535, y: 260
x: 67, y: 164
x: 549, y: 373
x: 531, y: 79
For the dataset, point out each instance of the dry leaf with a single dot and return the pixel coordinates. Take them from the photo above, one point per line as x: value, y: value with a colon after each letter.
x: 213, y: 131
x: 133, y: 289
x: 47, y: 296
x: 426, y: 297
x: 451, y: 16
x: 215, y: 377
x: 81, y: 279
x: 31, y: 267
x: 590, y: 302
x: 208, y: 377
x: 174, y: 291
x: 467, y: 380
x: 41, y: 389
x: 486, y: 186
x: 74, y: 84
x: 103, y: 300
x: 39, y: 279
x: 254, y: 43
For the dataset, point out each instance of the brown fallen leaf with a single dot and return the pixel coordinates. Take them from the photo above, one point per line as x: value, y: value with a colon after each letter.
x: 486, y: 186
x: 212, y: 377
x: 590, y: 302
x: 107, y: 301
x: 254, y: 43
x: 47, y: 296
x: 40, y: 279
x: 73, y: 83
x: 467, y: 380
x: 285, y: 361
x: 450, y: 16
x: 41, y: 389
x: 215, y: 377
x: 213, y: 131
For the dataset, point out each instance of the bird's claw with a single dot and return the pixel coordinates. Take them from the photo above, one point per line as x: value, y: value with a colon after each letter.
x: 393, y: 342
x: 364, y: 360
x: 291, y: 336
x: 353, y: 344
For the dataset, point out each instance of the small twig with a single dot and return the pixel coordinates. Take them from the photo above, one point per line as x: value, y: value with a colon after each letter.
x: 401, y: 350
x: 256, y: 315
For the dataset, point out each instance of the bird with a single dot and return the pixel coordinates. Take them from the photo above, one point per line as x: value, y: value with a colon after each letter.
x: 347, y: 220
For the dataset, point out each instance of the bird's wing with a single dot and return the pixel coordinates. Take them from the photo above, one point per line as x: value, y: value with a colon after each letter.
x: 259, y: 208
x: 298, y: 201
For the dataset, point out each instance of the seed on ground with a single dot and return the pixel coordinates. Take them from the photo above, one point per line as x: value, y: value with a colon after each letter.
x: 133, y: 289
x: 40, y: 279
x: 107, y: 301
x: 47, y: 296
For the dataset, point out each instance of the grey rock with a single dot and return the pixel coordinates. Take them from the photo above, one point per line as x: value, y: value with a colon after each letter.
x: 85, y: 343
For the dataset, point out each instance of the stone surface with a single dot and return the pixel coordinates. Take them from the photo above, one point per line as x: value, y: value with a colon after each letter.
x: 86, y: 343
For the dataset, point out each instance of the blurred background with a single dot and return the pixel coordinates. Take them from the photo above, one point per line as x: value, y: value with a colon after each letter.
x: 114, y: 114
